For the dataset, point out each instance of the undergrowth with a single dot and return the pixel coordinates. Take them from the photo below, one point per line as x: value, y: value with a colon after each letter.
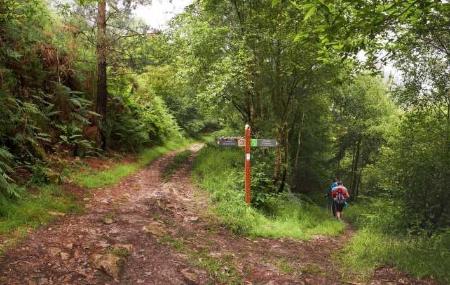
x: 376, y: 244
x: 219, y: 171
x: 93, y: 178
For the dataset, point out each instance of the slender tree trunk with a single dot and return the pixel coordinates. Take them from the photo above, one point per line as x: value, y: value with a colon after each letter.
x: 355, y: 168
x: 297, y: 154
x: 102, y: 91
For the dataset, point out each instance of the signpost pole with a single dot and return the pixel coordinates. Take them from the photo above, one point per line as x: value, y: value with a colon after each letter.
x: 247, y: 164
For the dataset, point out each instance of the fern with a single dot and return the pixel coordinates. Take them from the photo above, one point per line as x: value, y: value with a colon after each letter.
x: 7, y: 187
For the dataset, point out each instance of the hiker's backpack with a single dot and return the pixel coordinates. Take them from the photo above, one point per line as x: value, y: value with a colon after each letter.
x: 340, y: 198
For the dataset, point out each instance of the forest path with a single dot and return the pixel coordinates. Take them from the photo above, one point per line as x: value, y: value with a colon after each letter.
x: 149, y: 231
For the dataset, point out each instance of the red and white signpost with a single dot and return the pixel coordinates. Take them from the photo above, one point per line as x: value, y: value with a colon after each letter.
x: 247, y: 142
x: 247, y: 175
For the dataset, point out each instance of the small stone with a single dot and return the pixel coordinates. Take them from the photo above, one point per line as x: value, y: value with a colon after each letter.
x: 155, y: 229
x: 54, y: 251
x: 69, y: 246
x: 64, y: 255
x: 103, y: 244
x: 108, y: 220
x: 43, y: 281
x: 128, y: 247
x: 109, y: 263
x: 191, y: 219
x: 189, y: 277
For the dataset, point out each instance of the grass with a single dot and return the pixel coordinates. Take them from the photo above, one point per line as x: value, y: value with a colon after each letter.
x: 285, y: 266
x: 32, y: 211
x: 95, y: 179
x: 36, y: 209
x: 179, y: 159
x: 374, y: 246
x: 219, y: 171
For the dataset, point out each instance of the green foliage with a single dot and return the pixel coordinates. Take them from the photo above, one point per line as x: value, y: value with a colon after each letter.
x: 422, y: 173
x: 220, y: 172
x: 7, y: 189
x: 364, y: 119
x: 138, y: 117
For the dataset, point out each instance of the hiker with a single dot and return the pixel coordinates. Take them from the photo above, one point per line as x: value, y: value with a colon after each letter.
x: 330, y: 204
x: 340, y: 196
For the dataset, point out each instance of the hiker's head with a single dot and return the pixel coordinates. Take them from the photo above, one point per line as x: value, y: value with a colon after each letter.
x: 340, y: 183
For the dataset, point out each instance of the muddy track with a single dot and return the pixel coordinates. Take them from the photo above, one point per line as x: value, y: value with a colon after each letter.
x: 146, y: 231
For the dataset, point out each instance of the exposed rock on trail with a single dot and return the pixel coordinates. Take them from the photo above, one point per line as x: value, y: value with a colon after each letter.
x: 146, y: 231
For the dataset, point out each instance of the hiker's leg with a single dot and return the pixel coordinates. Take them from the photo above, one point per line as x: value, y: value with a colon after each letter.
x: 338, y: 215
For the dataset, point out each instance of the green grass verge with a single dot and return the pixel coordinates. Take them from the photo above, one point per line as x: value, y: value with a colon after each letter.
x: 33, y: 210
x: 219, y: 171
x: 373, y: 245
x: 95, y: 179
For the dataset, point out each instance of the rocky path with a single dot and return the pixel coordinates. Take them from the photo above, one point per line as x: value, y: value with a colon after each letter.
x: 147, y: 231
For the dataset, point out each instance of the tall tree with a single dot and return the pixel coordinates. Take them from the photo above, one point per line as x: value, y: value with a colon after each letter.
x: 102, y: 89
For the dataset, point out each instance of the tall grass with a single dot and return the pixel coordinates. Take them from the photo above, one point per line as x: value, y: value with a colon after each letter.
x: 219, y: 171
x: 95, y: 179
x: 376, y: 244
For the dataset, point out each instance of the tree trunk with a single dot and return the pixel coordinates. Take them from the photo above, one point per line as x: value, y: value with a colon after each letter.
x: 297, y: 154
x: 356, y: 158
x: 102, y: 91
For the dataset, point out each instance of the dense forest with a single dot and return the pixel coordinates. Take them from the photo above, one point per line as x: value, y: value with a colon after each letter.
x: 88, y: 79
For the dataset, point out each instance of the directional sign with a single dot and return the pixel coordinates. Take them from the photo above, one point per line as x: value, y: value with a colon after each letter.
x: 247, y: 142
x: 264, y: 143
x: 227, y: 141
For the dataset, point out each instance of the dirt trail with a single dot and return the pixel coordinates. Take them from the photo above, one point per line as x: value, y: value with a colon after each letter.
x: 146, y: 231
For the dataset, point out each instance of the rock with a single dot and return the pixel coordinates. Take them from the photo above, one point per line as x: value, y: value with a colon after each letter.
x: 43, y: 281
x: 108, y: 220
x: 191, y: 219
x: 189, y: 276
x: 103, y: 244
x: 69, y: 246
x: 64, y: 255
x: 30, y: 282
x: 54, y: 251
x: 114, y: 231
x: 128, y: 247
x: 155, y: 229
x: 109, y: 263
